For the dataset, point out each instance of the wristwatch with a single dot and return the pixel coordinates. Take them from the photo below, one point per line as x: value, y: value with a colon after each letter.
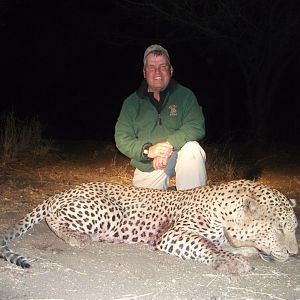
x: 146, y: 150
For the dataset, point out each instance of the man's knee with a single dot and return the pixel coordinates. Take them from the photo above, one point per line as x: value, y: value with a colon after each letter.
x: 156, y: 179
x: 193, y: 148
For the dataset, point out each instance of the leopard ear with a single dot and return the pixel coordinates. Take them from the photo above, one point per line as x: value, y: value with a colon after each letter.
x: 293, y: 202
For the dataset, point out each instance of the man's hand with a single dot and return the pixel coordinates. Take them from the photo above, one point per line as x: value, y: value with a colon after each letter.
x: 163, y: 150
x: 159, y: 163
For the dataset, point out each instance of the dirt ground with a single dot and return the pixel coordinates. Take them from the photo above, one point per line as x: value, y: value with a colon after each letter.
x: 119, y: 271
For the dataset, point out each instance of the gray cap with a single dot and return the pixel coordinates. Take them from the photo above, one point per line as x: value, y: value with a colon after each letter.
x: 158, y: 49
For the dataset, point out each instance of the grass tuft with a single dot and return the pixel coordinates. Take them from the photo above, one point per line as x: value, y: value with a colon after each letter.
x: 18, y: 137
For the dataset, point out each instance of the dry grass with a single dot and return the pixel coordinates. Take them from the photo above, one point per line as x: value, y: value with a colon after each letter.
x: 18, y: 137
x: 221, y: 163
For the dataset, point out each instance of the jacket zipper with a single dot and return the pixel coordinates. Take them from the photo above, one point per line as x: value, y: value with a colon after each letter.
x: 159, y: 113
x: 159, y: 119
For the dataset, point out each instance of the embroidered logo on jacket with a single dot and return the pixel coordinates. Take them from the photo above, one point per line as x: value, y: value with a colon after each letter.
x: 173, y: 110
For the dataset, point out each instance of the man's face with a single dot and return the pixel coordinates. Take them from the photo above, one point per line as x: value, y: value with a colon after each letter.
x: 157, y: 72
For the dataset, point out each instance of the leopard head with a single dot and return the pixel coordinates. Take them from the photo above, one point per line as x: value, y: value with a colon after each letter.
x: 265, y: 219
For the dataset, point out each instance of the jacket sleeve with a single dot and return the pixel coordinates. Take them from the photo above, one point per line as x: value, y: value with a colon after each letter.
x: 125, y: 136
x: 193, y: 123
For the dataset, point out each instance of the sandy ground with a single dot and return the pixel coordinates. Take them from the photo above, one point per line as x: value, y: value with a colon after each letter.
x: 119, y: 271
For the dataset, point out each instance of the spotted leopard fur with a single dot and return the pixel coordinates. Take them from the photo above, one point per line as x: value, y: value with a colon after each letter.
x: 191, y: 224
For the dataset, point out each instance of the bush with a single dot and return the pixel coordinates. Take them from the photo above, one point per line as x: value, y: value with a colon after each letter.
x: 17, y: 137
x: 221, y: 164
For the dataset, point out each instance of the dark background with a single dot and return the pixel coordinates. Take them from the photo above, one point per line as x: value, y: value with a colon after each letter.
x: 68, y: 64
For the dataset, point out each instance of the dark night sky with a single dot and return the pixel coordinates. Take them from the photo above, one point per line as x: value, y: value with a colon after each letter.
x: 57, y: 64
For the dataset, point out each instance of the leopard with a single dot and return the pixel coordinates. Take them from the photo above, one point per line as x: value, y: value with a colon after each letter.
x: 191, y: 224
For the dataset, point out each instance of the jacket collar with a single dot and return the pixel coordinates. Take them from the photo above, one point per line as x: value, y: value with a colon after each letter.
x: 143, y: 89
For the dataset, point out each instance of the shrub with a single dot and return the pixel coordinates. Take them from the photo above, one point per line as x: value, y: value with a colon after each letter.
x: 17, y: 137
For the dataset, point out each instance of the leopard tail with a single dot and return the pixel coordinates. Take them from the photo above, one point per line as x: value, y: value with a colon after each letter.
x: 25, y: 224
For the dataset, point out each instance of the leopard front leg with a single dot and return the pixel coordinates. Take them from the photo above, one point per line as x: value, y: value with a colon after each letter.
x: 191, y: 245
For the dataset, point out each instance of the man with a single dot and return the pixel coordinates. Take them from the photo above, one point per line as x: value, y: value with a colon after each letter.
x: 159, y: 126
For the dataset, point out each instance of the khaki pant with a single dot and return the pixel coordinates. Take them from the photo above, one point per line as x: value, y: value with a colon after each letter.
x: 187, y: 164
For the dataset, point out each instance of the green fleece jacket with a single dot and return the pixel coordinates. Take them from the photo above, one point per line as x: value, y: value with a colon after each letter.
x: 140, y: 124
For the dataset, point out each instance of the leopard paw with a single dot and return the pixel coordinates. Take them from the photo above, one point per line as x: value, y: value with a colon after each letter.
x: 234, y: 265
